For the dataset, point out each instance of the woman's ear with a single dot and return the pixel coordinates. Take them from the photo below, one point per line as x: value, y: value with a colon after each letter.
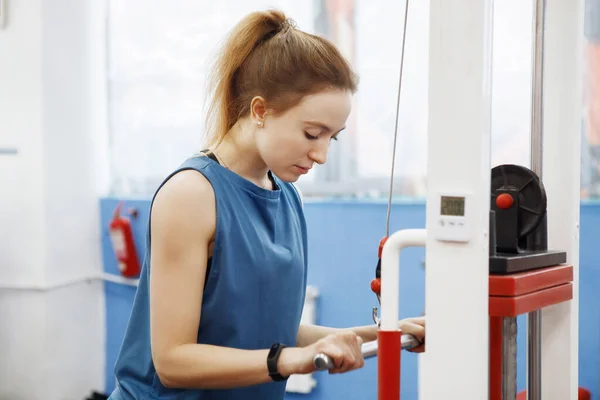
x: 258, y: 110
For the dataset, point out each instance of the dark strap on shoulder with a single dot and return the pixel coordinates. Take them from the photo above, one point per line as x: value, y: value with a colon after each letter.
x: 210, y: 155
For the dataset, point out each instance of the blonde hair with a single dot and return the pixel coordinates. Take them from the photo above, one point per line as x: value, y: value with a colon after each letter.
x: 266, y: 55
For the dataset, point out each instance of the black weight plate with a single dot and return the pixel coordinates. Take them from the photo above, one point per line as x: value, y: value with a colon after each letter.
x: 532, y: 195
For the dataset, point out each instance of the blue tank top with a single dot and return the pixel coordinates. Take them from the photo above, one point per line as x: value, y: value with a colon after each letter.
x: 254, y: 292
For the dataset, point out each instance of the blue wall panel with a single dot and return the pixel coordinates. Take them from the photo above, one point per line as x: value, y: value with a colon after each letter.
x: 343, y: 242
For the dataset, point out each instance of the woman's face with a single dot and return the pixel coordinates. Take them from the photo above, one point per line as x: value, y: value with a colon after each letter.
x: 290, y: 143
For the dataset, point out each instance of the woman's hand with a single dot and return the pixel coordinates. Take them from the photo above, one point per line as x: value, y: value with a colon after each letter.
x: 415, y: 327
x: 344, y: 348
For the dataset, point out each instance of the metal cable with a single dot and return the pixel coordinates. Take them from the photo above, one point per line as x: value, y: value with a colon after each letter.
x: 387, y: 219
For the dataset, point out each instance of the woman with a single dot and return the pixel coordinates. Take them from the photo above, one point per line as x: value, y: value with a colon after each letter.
x: 217, y: 311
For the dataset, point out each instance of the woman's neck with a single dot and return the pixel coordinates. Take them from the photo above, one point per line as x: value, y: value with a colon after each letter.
x: 238, y: 153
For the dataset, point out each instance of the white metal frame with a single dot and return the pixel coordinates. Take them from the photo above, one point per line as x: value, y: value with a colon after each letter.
x: 456, y: 277
x: 563, y: 56
x: 456, y: 361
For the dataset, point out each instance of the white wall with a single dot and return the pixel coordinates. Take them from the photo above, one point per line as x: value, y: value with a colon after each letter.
x: 21, y: 127
x: 52, y: 315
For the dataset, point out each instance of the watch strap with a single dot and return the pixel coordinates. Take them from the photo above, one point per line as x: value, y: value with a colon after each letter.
x: 272, y: 359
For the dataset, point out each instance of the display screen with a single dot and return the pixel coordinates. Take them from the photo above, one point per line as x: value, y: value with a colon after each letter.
x: 453, y: 206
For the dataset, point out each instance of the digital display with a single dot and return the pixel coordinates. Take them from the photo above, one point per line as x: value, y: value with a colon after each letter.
x: 453, y: 206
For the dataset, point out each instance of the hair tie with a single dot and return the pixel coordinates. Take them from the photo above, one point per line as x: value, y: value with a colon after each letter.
x: 288, y: 24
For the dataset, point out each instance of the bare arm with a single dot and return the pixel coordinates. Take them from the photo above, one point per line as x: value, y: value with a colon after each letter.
x: 183, y: 223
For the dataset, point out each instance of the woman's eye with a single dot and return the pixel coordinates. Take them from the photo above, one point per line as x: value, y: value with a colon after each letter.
x: 312, y: 137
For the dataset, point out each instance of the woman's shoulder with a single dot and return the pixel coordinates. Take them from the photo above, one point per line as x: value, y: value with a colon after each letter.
x: 184, y: 207
x: 188, y: 180
x: 186, y: 191
x: 187, y: 185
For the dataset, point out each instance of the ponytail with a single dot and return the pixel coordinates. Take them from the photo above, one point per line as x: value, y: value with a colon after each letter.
x: 259, y: 56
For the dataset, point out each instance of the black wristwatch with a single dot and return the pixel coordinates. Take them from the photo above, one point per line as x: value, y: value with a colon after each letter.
x: 272, y: 358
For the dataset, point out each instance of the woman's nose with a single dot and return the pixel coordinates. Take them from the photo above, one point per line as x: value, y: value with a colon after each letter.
x: 319, y: 152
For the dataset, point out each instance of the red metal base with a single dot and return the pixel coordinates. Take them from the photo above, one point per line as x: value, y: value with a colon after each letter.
x: 520, y: 293
x: 513, y: 306
x: 516, y: 294
x: 388, y: 365
x: 530, y: 281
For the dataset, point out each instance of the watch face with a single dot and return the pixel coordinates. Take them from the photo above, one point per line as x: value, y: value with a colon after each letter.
x: 274, y: 349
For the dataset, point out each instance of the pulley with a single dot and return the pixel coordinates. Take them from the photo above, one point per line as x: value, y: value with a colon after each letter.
x: 518, y: 224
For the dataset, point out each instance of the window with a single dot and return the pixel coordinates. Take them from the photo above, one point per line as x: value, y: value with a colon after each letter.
x: 590, y: 151
x: 156, y: 66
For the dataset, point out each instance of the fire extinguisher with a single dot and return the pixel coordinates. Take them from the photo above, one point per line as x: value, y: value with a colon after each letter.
x: 121, y: 236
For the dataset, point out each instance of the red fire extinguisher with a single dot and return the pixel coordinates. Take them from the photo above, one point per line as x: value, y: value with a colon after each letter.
x: 121, y: 236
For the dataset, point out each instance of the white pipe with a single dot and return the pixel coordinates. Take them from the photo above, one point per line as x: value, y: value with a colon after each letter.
x: 114, y: 278
x: 42, y: 287
x: 390, y: 273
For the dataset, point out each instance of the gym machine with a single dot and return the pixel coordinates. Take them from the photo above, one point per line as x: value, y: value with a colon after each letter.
x: 522, y: 222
